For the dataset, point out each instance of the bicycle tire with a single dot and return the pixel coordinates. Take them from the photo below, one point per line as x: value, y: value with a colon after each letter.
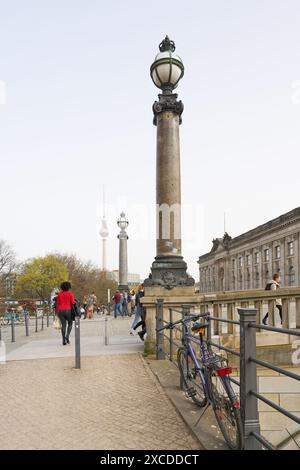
x: 190, y: 378
x: 224, y: 400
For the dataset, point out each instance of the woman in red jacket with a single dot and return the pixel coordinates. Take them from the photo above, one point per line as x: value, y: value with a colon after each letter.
x: 65, y: 301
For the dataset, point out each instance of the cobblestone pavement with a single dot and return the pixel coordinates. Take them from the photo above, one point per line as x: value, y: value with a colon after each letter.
x: 113, y: 402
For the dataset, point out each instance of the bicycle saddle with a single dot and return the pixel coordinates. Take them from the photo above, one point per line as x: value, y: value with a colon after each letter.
x: 199, y: 327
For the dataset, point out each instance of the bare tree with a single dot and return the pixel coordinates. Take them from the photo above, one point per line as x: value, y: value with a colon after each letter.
x: 7, y: 258
x: 8, y: 267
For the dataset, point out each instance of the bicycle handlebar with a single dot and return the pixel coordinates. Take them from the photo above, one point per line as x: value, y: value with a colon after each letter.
x: 171, y: 325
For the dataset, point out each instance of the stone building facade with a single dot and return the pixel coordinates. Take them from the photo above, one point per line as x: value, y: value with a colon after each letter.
x: 250, y: 260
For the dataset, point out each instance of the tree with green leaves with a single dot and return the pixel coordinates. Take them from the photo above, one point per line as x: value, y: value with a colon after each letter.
x: 39, y: 276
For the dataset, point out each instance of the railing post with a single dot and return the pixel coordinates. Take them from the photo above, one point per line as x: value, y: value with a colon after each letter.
x: 216, y: 310
x: 36, y: 321
x: 248, y: 378
x: 285, y: 313
x: 271, y: 310
x: 48, y: 318
x: 186, y: 312
x: 13, y: 331
x: 297, y: 299
x: 160, y: 353
x: 106, y: 331
x: 77, y: 342
x: 42, y: 320
x: 230, y: 316
x: 26, y: 317
x: 171, y: 335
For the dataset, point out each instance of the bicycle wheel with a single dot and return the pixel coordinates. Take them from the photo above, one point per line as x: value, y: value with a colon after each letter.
x: 6, y: 320
x: 227, y: 410
x: 191, y: 379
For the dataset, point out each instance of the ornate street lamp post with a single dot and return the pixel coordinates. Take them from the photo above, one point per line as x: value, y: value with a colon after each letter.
x: 169, y: 268
x: 123, y: 263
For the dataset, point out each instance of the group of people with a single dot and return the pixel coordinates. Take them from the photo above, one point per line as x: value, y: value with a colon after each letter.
x: 128, y: 303
x: 124, y: 302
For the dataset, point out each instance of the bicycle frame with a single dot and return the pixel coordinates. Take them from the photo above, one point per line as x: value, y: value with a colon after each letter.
x: 187, y: 341
x: 204, y: 352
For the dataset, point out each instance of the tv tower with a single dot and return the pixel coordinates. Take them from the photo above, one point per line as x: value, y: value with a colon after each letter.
x: 104, y: 235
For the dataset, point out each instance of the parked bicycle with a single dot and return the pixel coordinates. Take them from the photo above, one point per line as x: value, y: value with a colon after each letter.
x: 10, y: 314
x: 205, y: 379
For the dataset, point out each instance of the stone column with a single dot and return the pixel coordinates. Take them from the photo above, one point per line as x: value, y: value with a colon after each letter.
x: 169, y: 268
x: 123, y: 262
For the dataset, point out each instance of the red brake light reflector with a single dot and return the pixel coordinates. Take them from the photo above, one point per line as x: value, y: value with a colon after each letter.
x: 224, y: 371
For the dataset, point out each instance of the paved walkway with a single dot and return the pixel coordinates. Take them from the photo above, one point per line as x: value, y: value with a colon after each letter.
x: 47, y: 344
x: 113, y: 402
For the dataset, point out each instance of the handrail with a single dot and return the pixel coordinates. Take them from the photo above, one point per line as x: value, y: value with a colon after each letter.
x: 247, y: 382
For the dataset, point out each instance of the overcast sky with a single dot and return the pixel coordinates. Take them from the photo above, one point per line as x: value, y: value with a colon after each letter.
x: 78, y: 114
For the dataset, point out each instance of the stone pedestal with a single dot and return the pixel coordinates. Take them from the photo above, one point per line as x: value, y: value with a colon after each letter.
x: 174, y: 298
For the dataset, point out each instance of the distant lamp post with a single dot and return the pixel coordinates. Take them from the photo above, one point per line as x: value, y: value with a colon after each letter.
x: 168, y: 269
x: 123, y: 261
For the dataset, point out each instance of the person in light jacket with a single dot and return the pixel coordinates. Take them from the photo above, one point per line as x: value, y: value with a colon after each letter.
x: 274, y: 285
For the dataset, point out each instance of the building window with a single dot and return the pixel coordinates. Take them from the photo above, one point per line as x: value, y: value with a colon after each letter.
x: 233, y: 264
x: 257, y: 280
x: 233, y: 281
x: 248, y: 260
x: 277, y: 251
x: 248, y: 278
x: 291, y: 249
x: 266, y: 275
x: 240, y: 262
x: 267, y: 255
x: 292, y: 275
x: 256, y: 258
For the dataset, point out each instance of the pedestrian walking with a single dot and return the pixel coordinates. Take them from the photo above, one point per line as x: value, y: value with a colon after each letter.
x: 90, y: 307
x: 139, y: 317
x: 274, y: 285
x: 65, y: 301
x: 132, y: 300
x: 117, y: 301
x: 124, y: 302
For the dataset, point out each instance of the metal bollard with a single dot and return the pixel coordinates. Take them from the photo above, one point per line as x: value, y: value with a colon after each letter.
x: 77, y: 342
x: 36, y: 322
x: 47, y: 319
x: 13, y: 332
x: 42, y: 320
x: 106, y: 331
x: 26, y: 323
x: 248, y: 378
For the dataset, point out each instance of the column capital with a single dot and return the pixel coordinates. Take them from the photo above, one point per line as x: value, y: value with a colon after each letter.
x: 167, y: 102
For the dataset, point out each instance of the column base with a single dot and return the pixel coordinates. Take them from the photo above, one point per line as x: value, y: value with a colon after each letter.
x: 122, y: 287
x: 169, y: 272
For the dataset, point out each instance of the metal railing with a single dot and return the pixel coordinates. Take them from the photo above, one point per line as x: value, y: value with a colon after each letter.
x: 225, y: 304
x: 248, y: 363
x: 39, y: 323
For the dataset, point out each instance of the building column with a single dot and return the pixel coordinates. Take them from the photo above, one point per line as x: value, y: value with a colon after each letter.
x: 123, y: 261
